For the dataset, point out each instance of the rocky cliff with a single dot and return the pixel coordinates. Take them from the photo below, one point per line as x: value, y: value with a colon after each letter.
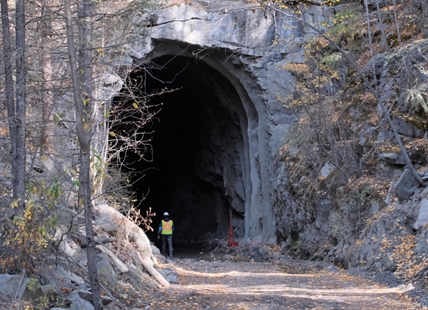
x: 266, y: 124
x: 344, y: 191
x: 327, y: 181
x: 230, y: 57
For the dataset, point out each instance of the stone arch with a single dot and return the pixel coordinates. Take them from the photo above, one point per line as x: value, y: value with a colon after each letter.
x: 229, y: 168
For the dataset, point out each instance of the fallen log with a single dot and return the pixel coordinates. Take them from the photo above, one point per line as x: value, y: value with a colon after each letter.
x: 148, y: 265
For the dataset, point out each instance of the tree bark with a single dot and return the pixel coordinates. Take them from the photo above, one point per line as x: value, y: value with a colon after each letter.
x: 9, y: 89
x: 82, y: 90
x: 382, y: 30
x: 369, y: 38
x: 20, y: 117
x: 9, y: 94
x: 397, y: 27
x: 16, y: 110
x: 46, y: 32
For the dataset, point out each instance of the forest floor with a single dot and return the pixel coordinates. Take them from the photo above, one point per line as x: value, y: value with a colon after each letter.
x: 232, y: 282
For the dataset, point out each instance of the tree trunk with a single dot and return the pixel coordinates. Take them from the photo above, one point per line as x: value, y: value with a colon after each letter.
x: 20, y: 117
x: 397, y: 27
x: 48, y: 98
x: 8, y: 69
x: 369, y: 38
x: 82, y: 90
x: 16, y: 112
x: 382, y: 30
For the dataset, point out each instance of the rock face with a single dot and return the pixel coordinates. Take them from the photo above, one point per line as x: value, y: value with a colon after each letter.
x: 379, y: 228
x: 228, y: 58
x: 221, y: 130
x: 406, y: 185
x: 12, y: 286
x: 126, y: 262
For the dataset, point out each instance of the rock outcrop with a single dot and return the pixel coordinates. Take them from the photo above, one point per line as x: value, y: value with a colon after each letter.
x: 316, y: 216
x: 232, y: 59
x: 375, y: 220
x: 126, y: 263
x: 247, y: 46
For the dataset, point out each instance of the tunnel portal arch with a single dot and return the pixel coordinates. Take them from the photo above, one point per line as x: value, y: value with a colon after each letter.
x: 205, y: 145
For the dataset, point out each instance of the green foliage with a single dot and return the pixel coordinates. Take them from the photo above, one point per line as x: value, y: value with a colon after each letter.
x: 76, y: 183
x: 50, y: 299
x: 294, y: 244
x: 57, y: 118
x: 343, y: 26
x: 312, y: 82
x: 98, y: 171
x: 330, y: 62
x: 33, y: 284
x: 144, y: 5
x: 334, y: 223
x: 28, y: 236
x: 416, y: 99
x: 54, y: 192
x: 32, y: 231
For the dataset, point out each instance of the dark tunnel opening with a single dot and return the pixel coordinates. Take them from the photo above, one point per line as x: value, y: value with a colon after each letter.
x: 196, y: 133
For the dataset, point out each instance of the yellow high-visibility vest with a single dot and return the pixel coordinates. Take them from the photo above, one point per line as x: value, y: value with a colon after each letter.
x: 167, y: 227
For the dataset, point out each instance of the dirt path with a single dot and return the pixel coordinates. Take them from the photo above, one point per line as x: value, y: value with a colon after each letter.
x: 222, y: 285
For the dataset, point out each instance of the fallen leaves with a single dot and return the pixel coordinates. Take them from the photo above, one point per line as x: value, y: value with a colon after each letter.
x: 256, y: 285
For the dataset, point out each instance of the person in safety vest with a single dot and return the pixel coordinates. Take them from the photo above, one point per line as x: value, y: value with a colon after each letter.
x: 166, y: 228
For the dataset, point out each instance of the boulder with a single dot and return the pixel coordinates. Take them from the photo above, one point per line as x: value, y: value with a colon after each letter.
x: 423, y: 214
x: 392, y: 158
x: 169, y: 275
x: 58, y: 277
x: 118, y: 264
x: 105, y: 269
x: 424, y: 31
x: 406, y: 128
x: 69, y: 247
x: 142, y: 242
x: 106, y: 223
x: 87, y: 295
x: 406, y: 185
x: 415, y: 152
x: 78, y: 303
x: 172, y: 278
x: 326, y: 170
x: 12, y: 286
x: 110, y: 219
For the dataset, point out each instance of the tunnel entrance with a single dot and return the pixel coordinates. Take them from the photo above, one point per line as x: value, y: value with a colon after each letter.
x: 198, y: 150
